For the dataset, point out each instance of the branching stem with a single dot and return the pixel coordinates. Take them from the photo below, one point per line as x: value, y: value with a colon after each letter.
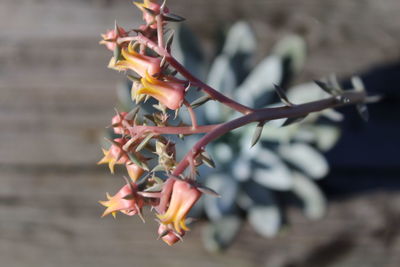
x: 266, y: 114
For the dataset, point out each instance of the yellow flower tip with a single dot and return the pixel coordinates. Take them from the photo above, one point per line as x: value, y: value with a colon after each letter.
x: 177, y: 226
x: 103, y: 202
x: 184, y: 226
x: 105, y: 159
x: 110, y: 205
x: 139, y: 5
x: 111, y: 165
x: 148, y: 91
x: 162, y: 218
x: 107, y: 211
x: 134, y: 171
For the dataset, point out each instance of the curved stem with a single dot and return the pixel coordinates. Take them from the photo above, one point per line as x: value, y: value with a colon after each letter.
x: 192, y: 114
x: 174, y: 63
x: 266, y: 114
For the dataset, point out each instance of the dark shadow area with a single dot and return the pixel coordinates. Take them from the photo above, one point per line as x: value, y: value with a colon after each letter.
x: 366, y: 157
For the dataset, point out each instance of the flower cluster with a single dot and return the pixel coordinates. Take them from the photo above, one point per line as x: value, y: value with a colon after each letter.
x: 172, y: 198
x: 157, y: 179
x: 137, y: 142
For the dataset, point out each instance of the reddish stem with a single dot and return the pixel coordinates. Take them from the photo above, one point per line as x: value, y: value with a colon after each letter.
x: 186, y: 130
x: 181, y: 69
x: 192, y: 114
x: 267, y: 114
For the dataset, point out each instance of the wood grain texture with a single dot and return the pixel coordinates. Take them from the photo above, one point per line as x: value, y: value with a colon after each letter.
x: 56, y: 97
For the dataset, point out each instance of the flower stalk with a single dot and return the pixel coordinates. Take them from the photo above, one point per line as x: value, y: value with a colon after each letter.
x: 142, y: 135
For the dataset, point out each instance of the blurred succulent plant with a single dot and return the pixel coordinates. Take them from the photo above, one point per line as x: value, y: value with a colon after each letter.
x: 285, y: 159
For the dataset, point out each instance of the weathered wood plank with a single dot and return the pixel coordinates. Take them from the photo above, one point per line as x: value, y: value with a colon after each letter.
x: 52, y: 217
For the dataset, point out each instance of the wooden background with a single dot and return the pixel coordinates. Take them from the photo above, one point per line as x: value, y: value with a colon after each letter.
x: 56, y: 96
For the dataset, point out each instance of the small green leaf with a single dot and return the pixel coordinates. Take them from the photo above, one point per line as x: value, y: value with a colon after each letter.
x: 173, y: 17
x: 169, y: 41
x: 293, y: 120
x: 117, y: 53
x: 207, y: 160
x: 133, y: 78
x: 328, y: 88
x: 132, y: 114
x: 257, y: 133
x: 200, y: 101
x: 135, y: 160
x: 208, y: 191
x: 154, y: 188
x: 158, y: 168
x: 145, y: 141
x: 282, y: 95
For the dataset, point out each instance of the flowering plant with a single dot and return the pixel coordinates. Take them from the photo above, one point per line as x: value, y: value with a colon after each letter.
x: 145, y: 55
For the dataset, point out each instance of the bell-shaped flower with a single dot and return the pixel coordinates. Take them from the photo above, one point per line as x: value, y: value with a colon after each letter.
x: 126, y: 201
x: 136, y: 62
x: 171, y: 94
x: 116, y: 155
x: 183, y: 196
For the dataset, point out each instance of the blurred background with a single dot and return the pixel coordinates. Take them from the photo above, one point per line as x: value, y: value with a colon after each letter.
x: 57, y: 95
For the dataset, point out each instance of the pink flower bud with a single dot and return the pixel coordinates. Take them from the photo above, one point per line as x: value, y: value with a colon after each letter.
x: 116, y: 122
x: 168, y: 235
x: 110, y: 37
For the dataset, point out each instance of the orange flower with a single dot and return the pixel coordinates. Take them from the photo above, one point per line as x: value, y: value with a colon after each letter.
x: 126, y: 201
x: 184, y: 195
x: 137, y: 62
x: 170, y: 94
x: 115, y: 155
